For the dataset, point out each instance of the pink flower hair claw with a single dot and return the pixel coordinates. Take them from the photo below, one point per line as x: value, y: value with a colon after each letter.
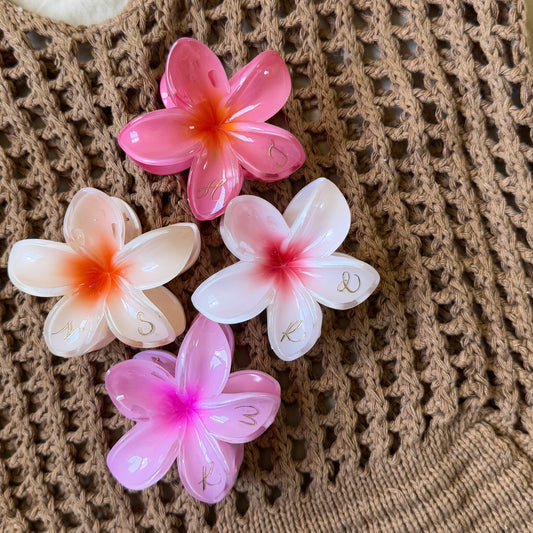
x: 215, y: 126
x: 189, y: 409
x: 110, y: 276
x: 287, y: 265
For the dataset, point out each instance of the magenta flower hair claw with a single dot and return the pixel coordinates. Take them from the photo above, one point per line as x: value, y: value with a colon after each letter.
x: 287, y: 265
x: 110, y: 276
x: 215, y: 126
x: 189, y: 409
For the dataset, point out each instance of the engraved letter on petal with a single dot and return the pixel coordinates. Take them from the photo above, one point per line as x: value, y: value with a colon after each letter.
x: 344, y: 285
x: 205, y: 476
x: 250, y: 416
x: 292, y: 328
x: 280, y: 158
x: 150, y: 329
x: 69, y: 329
x: 211, y: 188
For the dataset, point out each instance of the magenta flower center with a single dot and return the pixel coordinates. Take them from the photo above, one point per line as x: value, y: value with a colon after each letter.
x: 177, y: 408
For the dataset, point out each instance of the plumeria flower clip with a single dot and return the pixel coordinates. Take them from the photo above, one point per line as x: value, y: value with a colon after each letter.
x: 215, y: 126
x: 110, y: 276
x: 287, y: 265
x: 189, y: 409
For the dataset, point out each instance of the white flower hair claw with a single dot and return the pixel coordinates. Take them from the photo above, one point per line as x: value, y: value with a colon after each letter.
x: 110, y: 276
x: 288, y: 265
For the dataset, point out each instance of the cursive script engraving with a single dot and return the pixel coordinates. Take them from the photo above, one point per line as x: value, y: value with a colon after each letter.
x: 344, y: 285
x: 251, y: 421
x: 292, y: 328
x: 69, y: 329
x: 211, y: 188
x: 283, y: 155
x: 140, y: 315
x: 205, y: 476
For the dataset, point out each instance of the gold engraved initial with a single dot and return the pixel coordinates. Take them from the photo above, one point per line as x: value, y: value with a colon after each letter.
x: 211, y: 188
x: 292, y: 328
x: 272, y: 148
x: 251, y: 421
x: 69, y: 330
x: 344, y: 285
x: 205, y: 476
x: 140, y: 315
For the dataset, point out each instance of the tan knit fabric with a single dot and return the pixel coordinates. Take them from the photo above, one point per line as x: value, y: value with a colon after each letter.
x: 414, y: 411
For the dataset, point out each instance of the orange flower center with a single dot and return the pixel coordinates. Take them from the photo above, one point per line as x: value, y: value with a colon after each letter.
x: 94, y: 279
x: 210, y: 121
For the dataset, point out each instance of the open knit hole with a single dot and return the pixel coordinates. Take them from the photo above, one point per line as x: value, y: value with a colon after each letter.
x: 272, y: 493
x: 210, y: 515
x: 7, y: 59
x: 298, y: 449
x: 241, y: 357
x: 38, y: 41
x: 361, y: 18
x: 84, y: 54
x: 503, y: 13
x: 265, y: 459
x: 399, y: 17
x: 292, y: 414
x: 325, y: 402
x: 371, y: 52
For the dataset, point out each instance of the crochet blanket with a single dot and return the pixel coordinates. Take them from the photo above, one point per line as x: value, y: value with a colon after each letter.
x: 414, y: 411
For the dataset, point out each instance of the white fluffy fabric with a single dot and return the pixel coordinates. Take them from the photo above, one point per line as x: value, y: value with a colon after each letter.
x: 74, y: 12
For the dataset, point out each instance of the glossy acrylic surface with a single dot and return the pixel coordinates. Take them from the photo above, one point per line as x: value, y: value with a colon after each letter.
x: 215, y: 126
x: 288, y: 265
x: 110, y: 276
x: 189, y: 409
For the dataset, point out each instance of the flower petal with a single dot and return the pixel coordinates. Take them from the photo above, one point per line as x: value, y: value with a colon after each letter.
x: 340, y: 281
x: 226, y: 328
x: 94, y: 224
x: 239, y: 418
x: 194, y: 74
x: 144, y: 454
x: 164, y: 359
x: 169, y: 306
x: 37, y: 267
x: 156, y: 257
x: 269, y: 153
x: 140, y: 389
x: 165, y: 96
x: 251, y: 381
x: 234, y: 294
x: 208, y: 469
x: 251, y: 226
x: 294, y: 323
x: 260, y: 89
x: 132, y: 223
x: 74, y: 327
x: 204, y: 360
x: 319, y: 218
x: 215, y: 178
x: 136, y: 320
x: 161, y: 141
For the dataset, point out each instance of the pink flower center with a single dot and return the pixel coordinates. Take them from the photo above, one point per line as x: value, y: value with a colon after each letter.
x: 94, y: 279
x: 282, y: 265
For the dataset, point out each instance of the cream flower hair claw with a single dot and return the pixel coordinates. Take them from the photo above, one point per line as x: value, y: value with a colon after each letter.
x: 287, y: 265
x: 110, y: 276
